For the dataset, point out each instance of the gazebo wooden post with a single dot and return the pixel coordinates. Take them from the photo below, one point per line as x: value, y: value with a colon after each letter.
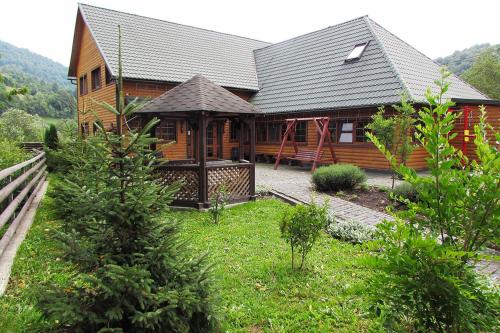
x: 252, y: 156
x: 241, y: 149
x: 202, y: 160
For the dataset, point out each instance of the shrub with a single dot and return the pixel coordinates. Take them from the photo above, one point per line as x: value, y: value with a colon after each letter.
x: 423, y: 286
x: 51, y: 139
x: 301, y: 226
x: 11, y: 154
x: 406, y: 191
x: 351, y: 231
x: 218, y: 202
x: 19, y: 126
x: 338, y: 177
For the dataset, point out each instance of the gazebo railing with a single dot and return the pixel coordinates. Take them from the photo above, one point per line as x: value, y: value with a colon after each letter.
x: 235, y: 177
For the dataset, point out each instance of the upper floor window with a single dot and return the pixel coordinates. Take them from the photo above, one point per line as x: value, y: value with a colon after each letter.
x: 96, y: 78
x: 357, y: 52
x: 83, y: 85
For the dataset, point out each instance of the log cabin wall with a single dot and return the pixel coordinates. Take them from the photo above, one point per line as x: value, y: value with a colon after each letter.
x: 89, y: 60
x: 362, y: 154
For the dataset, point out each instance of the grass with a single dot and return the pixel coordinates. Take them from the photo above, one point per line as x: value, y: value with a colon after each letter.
x: 257, y: 291
x: 49, y: 120
x: 38, y: 261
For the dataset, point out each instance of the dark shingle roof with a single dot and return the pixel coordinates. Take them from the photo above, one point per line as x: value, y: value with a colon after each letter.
x: 198, y: 94
x: 309, y: 72
x: 159, y: 50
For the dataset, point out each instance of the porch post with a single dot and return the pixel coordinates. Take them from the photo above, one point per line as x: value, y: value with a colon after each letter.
x: 242, y: 139
x: 202, y: 159
x: 252, y: 157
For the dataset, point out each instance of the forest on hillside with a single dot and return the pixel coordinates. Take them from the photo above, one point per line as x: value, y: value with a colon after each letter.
x: 461, y: 60
x: 49, y: 93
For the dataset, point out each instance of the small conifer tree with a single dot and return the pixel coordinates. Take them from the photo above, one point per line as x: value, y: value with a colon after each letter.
x: 51, y: 137
x: 135, y: 274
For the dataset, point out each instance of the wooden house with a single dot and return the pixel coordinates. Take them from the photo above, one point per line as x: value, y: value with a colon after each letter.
x: 343, y: 72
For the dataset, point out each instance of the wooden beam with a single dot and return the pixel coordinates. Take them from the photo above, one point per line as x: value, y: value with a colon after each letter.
x: 202, y: 159
x: 252, y: 157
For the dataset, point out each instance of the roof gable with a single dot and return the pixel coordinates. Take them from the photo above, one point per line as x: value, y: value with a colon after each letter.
x: 198, y: 94
x: 158, y: 50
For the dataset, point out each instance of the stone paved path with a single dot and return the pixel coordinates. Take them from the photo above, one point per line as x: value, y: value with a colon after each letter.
x: 295, y: 182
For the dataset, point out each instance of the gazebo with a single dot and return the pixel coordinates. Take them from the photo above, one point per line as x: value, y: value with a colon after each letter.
x: 201, y: 103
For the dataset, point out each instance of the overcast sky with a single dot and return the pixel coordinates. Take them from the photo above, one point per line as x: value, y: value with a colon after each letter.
x: 46, y: 27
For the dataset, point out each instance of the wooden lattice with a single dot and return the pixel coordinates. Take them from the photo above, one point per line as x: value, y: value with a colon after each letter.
x: 236, y: 180
x: 189, y: 178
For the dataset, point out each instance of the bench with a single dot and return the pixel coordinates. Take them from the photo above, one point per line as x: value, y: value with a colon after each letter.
x: 307, y: 156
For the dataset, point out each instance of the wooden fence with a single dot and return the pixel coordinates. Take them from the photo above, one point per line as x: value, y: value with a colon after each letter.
x: 19, y: 185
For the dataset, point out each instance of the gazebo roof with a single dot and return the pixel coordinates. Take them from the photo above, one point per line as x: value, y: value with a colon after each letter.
x: 198, y: 94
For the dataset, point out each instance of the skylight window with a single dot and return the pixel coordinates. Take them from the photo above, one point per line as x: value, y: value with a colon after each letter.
x: 356, y: 52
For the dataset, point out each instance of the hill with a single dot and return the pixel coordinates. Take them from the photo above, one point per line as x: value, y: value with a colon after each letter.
x: 460, y: 61
x: 50, y: 94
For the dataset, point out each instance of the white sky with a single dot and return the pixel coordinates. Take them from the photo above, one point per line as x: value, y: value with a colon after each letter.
x: 46, y: 26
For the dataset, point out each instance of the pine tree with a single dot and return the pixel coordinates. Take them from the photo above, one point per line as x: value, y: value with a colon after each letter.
x: 51, y: 137
x: 136, y: 275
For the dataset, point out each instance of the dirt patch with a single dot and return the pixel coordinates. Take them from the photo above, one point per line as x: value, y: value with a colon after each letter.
x: 372, y: 197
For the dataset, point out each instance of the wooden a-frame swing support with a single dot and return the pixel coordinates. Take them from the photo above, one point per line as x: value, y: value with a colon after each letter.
x: 307, y: 156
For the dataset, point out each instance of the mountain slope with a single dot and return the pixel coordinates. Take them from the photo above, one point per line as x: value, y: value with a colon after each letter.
x: 49, y: 94
x: 34, y: 65
x: 460, y: 61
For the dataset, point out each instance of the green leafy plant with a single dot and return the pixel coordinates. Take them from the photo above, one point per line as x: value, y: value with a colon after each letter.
x: 218, y: 202
x: 423, y: 286
x: 134, y: 272
x: 11, y: 153
x: 337, y: 177
x: 51, y: 138
x: 301, y: 227
x: 404, y: 191
x: 351, y: 231
x: 457, y: 204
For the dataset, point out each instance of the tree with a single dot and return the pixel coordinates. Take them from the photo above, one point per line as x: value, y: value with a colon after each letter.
x: 51, y: 138
x: 135, y: 274
x: 485, y: 72
x: 19, y: 126
x: 395, y: 132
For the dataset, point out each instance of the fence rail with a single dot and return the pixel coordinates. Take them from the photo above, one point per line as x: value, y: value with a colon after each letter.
x: 19, y: 185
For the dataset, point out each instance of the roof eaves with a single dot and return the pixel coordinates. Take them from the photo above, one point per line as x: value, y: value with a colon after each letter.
x: 82, y: 11
x: 404, y: 86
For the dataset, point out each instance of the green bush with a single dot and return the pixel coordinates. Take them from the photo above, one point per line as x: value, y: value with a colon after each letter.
x: 301, y: 226
x: 423, y: 286
x: 338, y: 177
x: 351, y: 231
x: 11, y: 153
x: 50, y: 138
x: 406, y: 191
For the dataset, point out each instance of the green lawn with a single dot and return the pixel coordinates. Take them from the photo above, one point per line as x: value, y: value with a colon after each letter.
x: 258, y: 289
x: 255, y: 286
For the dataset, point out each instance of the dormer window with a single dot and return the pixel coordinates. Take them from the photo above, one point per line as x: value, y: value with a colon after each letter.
x: 357, y: 52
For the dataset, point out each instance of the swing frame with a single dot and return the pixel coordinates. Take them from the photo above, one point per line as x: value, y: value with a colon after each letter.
x: 306, y: 155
